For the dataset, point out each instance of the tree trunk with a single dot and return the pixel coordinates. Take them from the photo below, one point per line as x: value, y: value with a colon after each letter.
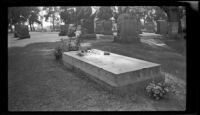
x: 33, y: 27
x: 179, y: 26
x: 42, y: 26
x: 10, y: 27
x: 15, y: 30
x: 174, y: 20
x: 30, y: 26
x: 53, y: 23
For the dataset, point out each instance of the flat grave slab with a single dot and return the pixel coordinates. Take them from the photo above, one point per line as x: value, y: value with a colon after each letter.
x: 115, y: 70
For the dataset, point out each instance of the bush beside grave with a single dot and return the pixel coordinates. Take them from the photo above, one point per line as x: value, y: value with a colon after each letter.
x: 58, y: 53
x: 157, y: 90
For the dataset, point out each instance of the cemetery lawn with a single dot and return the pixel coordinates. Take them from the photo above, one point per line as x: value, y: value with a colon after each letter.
x: 37, y: 82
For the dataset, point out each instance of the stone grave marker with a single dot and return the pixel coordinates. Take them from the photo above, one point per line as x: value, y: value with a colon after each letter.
x: 107, y: 27
x: 162, y: 27
x: 128, y: 28
x: 63, y: 30
x: 99, y: 29
x: 21, y: 31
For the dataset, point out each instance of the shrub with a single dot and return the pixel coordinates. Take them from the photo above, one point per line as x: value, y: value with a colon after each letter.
x: 157, y: 90
x: 58, y: 53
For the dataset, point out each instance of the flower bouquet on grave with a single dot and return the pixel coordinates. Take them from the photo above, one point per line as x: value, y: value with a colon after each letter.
x: 58, y: 52
x: 157, y: 91
x: 84, y: 52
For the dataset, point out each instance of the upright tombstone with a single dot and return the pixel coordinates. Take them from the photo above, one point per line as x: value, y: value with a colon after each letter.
x: 16, y: 30
x: 128, y: 28
x: 98, y: 26
x: 173, y: 22
x: 63, y: 30
x: 21, y: 31
x: 107, y: 27
x: 162, y: 27
x: 150, y: 27
x: 173, y: 28
x: 88, y: 24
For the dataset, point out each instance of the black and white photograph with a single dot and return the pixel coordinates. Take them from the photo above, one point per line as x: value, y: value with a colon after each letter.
x: 97, y: 58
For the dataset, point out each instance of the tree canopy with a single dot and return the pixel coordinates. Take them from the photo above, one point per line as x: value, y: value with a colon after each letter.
x: 20, y: 15
x: 75, y: 14
x: 104, y: 13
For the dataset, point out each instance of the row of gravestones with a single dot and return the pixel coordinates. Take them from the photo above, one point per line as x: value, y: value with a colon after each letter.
x: 163, y: 27
x: 21, y: 31
x: 103, y: 27
x: 87, y: 27
x: 129, y: 28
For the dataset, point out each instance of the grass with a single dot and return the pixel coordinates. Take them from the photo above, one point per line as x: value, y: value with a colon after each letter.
x: 37, y: 82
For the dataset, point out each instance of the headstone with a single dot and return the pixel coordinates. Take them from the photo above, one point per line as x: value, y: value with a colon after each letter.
x: 21, y: 31
x: 16, y: 30
x: 107, y: 27
x: 162, y: 27
x: 63, y: 30
x: 99, y: 26
x: 88, y: 24
x: 183, y: 23
x: 128, y: 28
x: 173, y: 27
x: 150, y: 27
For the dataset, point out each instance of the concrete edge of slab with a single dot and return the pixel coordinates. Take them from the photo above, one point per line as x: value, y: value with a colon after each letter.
x: 122, y: 90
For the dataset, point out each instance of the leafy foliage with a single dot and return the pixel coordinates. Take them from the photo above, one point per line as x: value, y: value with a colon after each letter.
x: 83, y: 12
x: 75, y: 14
x: 21, y: 14
x: 68, y: 15
x: 18, y: 15
x: 157, y: 91
x: 52, y: 13
x: 104, y: 13
x: 58, y: 53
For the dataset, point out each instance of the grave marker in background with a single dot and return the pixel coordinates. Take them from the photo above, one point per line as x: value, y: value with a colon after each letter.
x: 63, y: 30
x: 128, y: 28
x: 162, y: 27
x: 21, y: 31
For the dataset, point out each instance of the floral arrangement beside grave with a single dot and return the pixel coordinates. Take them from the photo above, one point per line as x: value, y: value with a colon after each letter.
x: 157, y: 90
x: 58, y: 53
x: 90, y: 51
